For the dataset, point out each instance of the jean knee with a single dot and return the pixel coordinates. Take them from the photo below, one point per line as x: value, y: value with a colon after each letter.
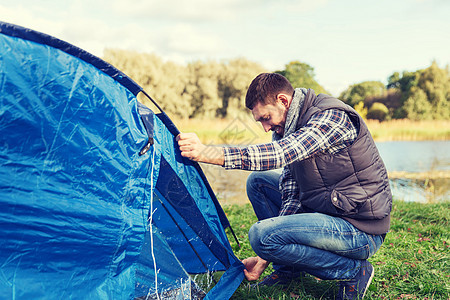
x: 375, y: 242
x: 252, y: 179
x: 255, y: 237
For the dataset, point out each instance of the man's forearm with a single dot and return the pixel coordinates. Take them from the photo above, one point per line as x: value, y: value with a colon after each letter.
x: 212, y: 155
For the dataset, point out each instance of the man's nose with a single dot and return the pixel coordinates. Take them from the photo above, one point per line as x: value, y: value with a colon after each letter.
x: 266, y: 127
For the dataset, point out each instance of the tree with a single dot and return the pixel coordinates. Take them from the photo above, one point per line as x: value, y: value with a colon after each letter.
x: 434, y: 99
x: 435, y: 82
x: 417, y: 106
x: 394, y: 81
x: 203, y: 88
x: 165, y: 81
x: 233, y: 83
x: 404, y: 83
x: 362, y: 91
x: 301, y: 75
x: 171, y: 90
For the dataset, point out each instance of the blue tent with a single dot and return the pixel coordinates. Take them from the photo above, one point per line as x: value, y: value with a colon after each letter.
x: 96, y: 200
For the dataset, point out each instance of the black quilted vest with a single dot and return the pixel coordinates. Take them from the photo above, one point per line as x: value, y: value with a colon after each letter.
x: 352, y: 183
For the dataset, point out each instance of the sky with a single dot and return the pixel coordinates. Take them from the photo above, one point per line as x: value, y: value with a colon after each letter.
x: 345, y: 41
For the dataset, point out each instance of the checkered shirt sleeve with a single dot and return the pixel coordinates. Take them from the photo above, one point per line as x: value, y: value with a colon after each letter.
x: 328, y: 131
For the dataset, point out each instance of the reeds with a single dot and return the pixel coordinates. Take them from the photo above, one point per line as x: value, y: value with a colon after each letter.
x: 244, y: 130
x: 407, y: 130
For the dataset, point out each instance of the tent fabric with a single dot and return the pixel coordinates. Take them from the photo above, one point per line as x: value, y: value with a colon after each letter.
x: 174, y: 131
x: 86, y: 213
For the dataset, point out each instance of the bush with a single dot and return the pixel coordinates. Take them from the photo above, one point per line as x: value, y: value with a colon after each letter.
x: 361, y: 109
x: 378, y: 111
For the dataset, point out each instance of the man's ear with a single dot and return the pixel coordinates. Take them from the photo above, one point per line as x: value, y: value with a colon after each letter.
x: 284, y: 100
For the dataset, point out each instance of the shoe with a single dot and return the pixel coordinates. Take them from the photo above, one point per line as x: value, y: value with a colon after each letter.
x: 356, y: 288
x: 276, y: 278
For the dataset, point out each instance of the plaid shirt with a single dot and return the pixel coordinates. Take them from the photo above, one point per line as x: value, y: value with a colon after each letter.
x: 328, y: 131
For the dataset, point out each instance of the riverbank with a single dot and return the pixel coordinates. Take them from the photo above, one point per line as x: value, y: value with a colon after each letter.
x: 229, y: 185
x: 244, y: 130
x: 411, y: 264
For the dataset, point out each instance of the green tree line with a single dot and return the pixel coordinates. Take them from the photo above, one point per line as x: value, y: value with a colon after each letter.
x: 197, y: 90
x: 420, y: 95
x: 211, y: 89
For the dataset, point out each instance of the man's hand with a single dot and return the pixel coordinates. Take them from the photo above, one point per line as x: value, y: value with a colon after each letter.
x: 254, y: 267
x: 191, y: 147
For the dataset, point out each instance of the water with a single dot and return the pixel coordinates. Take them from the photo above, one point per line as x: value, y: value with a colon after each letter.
x: 421, y: 156
x: 419, y: 171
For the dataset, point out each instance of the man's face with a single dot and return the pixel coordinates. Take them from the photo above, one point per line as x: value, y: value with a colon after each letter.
x: 272, y: 116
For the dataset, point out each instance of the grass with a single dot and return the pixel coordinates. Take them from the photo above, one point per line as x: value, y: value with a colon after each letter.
x: 237, y: 131
x: 407, y: 130
x: 413, y: 262
x: 244, y: 130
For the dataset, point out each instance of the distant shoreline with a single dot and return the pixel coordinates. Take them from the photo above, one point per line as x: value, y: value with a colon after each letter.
x: 244, y: 130
x: 419, y: 175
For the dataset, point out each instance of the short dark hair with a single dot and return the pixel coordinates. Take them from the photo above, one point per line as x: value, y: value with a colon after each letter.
x: 265, y: 88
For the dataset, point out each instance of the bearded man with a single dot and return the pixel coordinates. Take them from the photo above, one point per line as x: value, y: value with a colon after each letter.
x: 320, y: 189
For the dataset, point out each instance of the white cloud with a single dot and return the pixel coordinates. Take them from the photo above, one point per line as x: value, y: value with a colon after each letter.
x: 343, y: 44
x: 297, y: 6
x: 95, y: 33
x: 91, y: 34
x: 23, y: 16
x: 130, y: 36
x: 184, y: 38
x: 193, y: 10
x: 206, y: 10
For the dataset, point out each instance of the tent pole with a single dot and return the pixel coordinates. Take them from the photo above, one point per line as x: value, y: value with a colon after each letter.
x: 153, y: 101
x: 235, y: 237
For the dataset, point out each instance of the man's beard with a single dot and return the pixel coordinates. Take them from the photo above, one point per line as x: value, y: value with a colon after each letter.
x: 279, y: 129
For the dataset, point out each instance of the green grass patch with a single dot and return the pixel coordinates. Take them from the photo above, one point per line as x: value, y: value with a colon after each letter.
x: 413, y: 262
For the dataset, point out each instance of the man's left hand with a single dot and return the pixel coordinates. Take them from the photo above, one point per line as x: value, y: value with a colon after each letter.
x: 254, y: 267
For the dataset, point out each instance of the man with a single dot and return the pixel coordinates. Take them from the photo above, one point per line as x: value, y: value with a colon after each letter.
x: 329, y: 210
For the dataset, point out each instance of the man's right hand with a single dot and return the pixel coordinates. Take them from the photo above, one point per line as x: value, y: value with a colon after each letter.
x: 191, y: 147
x: 254, y: 267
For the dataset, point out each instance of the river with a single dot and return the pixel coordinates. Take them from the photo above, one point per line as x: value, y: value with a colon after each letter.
x: 419, y: 171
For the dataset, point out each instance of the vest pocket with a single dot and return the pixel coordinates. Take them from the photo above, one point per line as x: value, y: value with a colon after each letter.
x: 343, y: 204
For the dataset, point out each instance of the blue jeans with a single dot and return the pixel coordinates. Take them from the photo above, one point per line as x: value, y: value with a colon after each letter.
x: 324, y: 246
